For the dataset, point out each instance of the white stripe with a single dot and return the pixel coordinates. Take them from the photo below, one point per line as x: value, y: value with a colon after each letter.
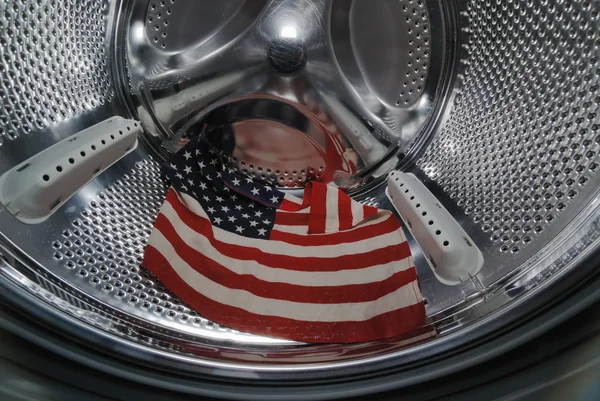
x: 285, y: 249
x: 292, y: 198
x: 305, y: 211
x: 358, y: 212
x: 380, y: 217
x: 201, y: 244
x: 332, y: 221
x: 191, y: 203
x: 299, y: 230
x: 311, y: 312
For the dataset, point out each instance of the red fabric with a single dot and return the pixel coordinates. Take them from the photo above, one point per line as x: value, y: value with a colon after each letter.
x: 385, y: 325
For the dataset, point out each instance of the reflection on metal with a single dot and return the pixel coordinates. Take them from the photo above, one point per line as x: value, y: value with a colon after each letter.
x: 297, y: 53
x: 274, y: 139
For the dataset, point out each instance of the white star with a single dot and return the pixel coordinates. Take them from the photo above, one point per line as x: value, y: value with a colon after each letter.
x: 201, y: 165
x: 231, y: 218
x: 179, y: 176
x: 238, y: 207
x: 202, y: 185
x: 187, y: 169
x: 212, y: 151
x: 262, y: 231
x: 213, y: 162
x: 246, y: 215
x: 174, y: 167
x: 218, y: 220
x: 267, y: 222
x: 236, y: 182
x: 219, y: 199
x: 258, y: 214
x: 231, y: 171
x: 225, y: 209
x: 191, y: 183
x: 268, y: 189
x: 233, y: 197
x: 251, y: 205
x: 253, y: 224
x: 206, y: 198
x: 225, y: 189
x: 184, y: 187
x: 198, y: 152
x: 210, y: 210
x: 208, y: 177
x: 239, y: 229
x: 195, y: 194
x: 187, y: 155
x: 218, y: 174
x: 249, y: 180
x: 255, y: 191
x: 274, y: 199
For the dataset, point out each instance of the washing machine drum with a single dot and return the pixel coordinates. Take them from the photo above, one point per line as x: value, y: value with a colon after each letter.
x: 492, y: 106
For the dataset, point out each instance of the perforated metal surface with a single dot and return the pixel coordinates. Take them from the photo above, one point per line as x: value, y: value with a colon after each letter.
x: 105, y: 244
x: 417, y: 55
x: 53, y: 62
x: 522, y: 142
x: 396, y: 68
x: 173, y: 24
x: 283, y: 178
x: 157, y: 22
x: 101, y: 251
x: 370, y: 201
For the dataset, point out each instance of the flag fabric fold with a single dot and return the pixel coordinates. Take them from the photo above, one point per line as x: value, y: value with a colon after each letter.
x: 321, y: 268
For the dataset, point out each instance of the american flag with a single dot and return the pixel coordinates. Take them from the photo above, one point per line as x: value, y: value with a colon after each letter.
x: 321, y: 268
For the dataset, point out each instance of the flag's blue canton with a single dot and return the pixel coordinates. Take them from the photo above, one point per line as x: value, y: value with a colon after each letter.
x: 233, y: 202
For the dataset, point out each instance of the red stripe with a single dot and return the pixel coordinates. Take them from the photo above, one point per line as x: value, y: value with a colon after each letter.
x: 291, y: 219
x: 357, y: 234
x: 289, y: 292
x: 369, y: 211
x: 357, y: 261
x: 385, y: 325
x: 344, y: 211
x: 289, y: 205
x: 318, y: 209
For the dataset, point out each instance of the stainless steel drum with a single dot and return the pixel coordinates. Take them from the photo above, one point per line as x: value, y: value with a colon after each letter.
x: 494, y: 105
